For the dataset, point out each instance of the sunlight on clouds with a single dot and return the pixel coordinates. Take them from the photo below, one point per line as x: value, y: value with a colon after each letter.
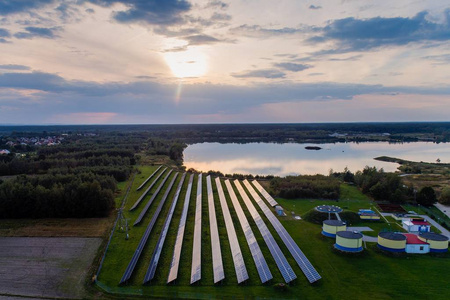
x: 189, y: 63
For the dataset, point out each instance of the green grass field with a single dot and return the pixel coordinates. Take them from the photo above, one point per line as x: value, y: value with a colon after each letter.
x: 369, y: 275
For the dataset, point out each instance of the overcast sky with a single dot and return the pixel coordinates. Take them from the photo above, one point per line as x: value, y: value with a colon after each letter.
x: 177, y: 61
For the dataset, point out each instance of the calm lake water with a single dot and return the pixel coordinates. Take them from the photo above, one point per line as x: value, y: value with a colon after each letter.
x: 293, y: 159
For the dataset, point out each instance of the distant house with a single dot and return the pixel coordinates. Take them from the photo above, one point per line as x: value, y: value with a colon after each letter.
x: 4, y: 151
x: 416, y: 225
x: 368, y: 214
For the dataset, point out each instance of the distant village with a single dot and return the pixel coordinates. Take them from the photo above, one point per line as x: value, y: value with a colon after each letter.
x: 36, y: 141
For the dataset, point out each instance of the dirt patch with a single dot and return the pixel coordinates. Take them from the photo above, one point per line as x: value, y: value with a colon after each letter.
x: 45, y: 267
x: 95, y: 227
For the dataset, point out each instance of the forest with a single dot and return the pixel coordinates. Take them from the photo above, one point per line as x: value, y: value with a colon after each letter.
x: 76, y: 178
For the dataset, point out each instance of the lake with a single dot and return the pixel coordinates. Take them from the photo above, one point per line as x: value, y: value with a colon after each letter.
x: 294, y: 159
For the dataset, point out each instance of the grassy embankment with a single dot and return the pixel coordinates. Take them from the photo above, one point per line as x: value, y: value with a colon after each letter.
x: 371, y: 274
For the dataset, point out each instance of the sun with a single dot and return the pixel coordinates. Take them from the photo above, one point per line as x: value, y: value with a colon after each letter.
x: 189, y: 63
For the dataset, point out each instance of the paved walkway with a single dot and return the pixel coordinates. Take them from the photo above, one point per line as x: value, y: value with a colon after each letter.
x: 371, y: 239
x: 445, y: 209
x: 337, y: 216
x: 359, y: 229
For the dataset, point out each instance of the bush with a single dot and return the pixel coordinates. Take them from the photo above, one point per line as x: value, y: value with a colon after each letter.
x: 426, y: 196
x: 445, y: 196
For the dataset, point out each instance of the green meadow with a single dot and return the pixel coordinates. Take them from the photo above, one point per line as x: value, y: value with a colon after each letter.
x: 371, y: 274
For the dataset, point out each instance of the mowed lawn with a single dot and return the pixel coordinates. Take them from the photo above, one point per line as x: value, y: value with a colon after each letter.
x: 370, y: 275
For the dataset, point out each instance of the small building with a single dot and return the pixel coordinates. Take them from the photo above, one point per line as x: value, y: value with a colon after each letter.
x: 415, y: 245
x: 392, y: 241
x: 438, y: 242
x: 368, y: 214
x: 416, y: 225
x: 331, y: 227
x: 279, y: 210
x: 349, y: 241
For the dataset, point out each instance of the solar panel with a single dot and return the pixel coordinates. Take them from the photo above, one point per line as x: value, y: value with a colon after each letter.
x: 159, y: 245
x: 263, y: 192
x: 258, y: 257
x: 196, y: 271
x: 310, y: 272
x: 147, y: 206
x: 147, y: 190
x: 130, y: 268
x: 283, y: 265
x: 236, y: 253
x: 218, y: 271
x: 149, y: 177
x: 175, y: 263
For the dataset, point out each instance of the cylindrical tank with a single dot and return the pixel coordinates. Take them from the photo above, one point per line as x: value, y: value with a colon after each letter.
x: 330, y: 227
x: 392, y: 241
x: 438, y: 242
x: 349, y: 241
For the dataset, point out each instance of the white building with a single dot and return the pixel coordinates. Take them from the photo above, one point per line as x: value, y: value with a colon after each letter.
x: 416, y: 245
x: 416, y: 225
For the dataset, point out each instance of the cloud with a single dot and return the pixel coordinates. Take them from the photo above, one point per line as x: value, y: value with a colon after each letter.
x: 316, y: 74
x: 314, y: 7
x: 32, y: 32
x: 4, y: 33
x: 162, y: 12
x: 216, y: 4
x: 8, y: 7
x: 201, y: 39
x: 293, y: 67
x: 14, y: 67
x: 265, y: 73
x: 351, y: 58
x: 365, y: 34
x: 257, y: 31
x: 441, y: 59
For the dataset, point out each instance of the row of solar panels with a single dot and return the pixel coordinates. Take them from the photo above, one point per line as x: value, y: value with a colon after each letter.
x: 238, y: 260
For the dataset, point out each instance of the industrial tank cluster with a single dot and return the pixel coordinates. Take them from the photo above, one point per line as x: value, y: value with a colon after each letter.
x: 347, y: 241
x: 423, y: 243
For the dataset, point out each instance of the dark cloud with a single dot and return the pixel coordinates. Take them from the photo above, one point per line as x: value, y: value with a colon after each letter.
x: 216, y: 4
x: 166, y: 31
x: 293, y: 67
x: 8, y: 7
x: 90, y: 11
x: 315, y: 7
x: 67, y: 12
x: 351, y: 58
x: 264, y: 73
x: 201, y: 39
x: 220, y: 17
x: 257, y: 31
x: 364, y: 34
x: 32, y: 32
x: 162, y: 12
x: 148, y: 96
x: 14, y: 67
x: 3, y: 41
x: 4, y: 33
x: 439, y: 59
x: 316, y: 74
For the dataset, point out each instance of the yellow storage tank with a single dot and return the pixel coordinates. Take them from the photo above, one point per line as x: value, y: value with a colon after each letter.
x: 392, y: 241
x: 349, y: 241
x: 438, y: 242
x: 330, y: 227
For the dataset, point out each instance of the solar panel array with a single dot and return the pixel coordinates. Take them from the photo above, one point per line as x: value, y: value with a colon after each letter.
x: 159, y: 245
x: 283, y: 265
x: 155, y: 194
x: 236, y: 253
x: 265, y: 193
x: 149, y: 177
x: 130, y: 268
x: 219, y: 273
x: 258, y: 257
x: 310, y: 272
x: 196, y: 271
x: 147, y: 190
x: 175, y: 263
